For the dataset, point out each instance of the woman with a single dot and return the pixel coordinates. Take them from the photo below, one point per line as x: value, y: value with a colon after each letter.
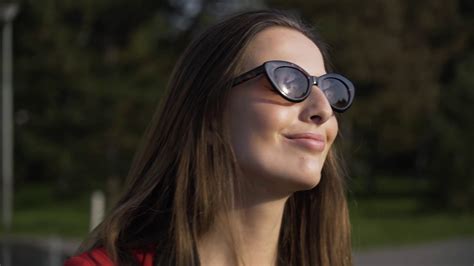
x: 238, y: 166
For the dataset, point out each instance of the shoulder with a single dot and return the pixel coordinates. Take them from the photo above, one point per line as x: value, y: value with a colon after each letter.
x: 94, y: 257
x: 99, y: 256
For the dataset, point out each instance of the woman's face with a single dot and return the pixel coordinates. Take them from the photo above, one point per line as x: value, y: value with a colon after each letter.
x: 280, y: 146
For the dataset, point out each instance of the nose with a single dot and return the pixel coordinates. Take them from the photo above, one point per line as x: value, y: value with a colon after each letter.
x: 316, y: 108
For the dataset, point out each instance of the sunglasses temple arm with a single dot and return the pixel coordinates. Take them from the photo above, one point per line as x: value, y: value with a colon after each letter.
x: 248, y: 75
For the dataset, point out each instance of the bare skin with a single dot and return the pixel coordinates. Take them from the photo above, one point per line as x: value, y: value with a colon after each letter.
x: 272, y: 165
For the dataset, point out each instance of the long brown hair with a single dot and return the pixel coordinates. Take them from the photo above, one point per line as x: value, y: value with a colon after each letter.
x: 184, y: 173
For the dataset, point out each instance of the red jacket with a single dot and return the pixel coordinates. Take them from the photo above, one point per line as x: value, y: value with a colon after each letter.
x: 98, y: 256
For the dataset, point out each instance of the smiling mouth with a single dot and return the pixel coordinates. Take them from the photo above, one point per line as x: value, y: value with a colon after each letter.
x: 309, y: 141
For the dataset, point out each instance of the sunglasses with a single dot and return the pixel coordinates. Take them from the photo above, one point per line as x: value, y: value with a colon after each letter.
x: 294, y: 83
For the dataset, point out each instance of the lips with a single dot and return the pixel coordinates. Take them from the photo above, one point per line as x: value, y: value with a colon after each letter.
x: 310, y: 141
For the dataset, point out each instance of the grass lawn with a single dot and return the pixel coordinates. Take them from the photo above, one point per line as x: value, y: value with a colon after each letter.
x: 375, y: 222
x: 38, y: 212
x: 394, y: 215
x: 396, y: 222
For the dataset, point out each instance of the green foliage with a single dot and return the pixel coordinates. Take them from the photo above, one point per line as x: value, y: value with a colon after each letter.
x: 452, y: 146
x: 88, y: 75
x: 402, y: 56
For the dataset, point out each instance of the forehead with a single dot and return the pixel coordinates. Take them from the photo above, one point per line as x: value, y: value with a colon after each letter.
x: 279, y: 43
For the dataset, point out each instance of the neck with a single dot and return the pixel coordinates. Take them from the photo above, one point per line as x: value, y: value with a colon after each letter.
x: 256, y: 226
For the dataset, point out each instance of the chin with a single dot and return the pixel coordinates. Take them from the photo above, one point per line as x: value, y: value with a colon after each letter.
x: 302, y: 183
x: 310, y: 183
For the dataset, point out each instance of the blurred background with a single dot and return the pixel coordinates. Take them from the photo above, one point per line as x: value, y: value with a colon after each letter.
x: 81, y: 79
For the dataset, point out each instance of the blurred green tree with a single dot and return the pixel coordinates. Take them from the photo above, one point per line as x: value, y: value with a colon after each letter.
x: 451, y: 163
x: 396, y: 52
x: 88, y: 75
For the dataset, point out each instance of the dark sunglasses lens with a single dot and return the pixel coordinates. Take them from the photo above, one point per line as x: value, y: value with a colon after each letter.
x: 336, y: 91
x: 291, y: 82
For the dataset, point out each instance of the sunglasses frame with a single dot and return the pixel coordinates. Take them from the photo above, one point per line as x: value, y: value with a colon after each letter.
x: 269, y: 68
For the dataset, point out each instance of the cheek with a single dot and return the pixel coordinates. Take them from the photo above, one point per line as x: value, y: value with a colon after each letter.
x: 255, y: 130
x: 331, y: 133
x: 332, y: 129
x: 255, y: 127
